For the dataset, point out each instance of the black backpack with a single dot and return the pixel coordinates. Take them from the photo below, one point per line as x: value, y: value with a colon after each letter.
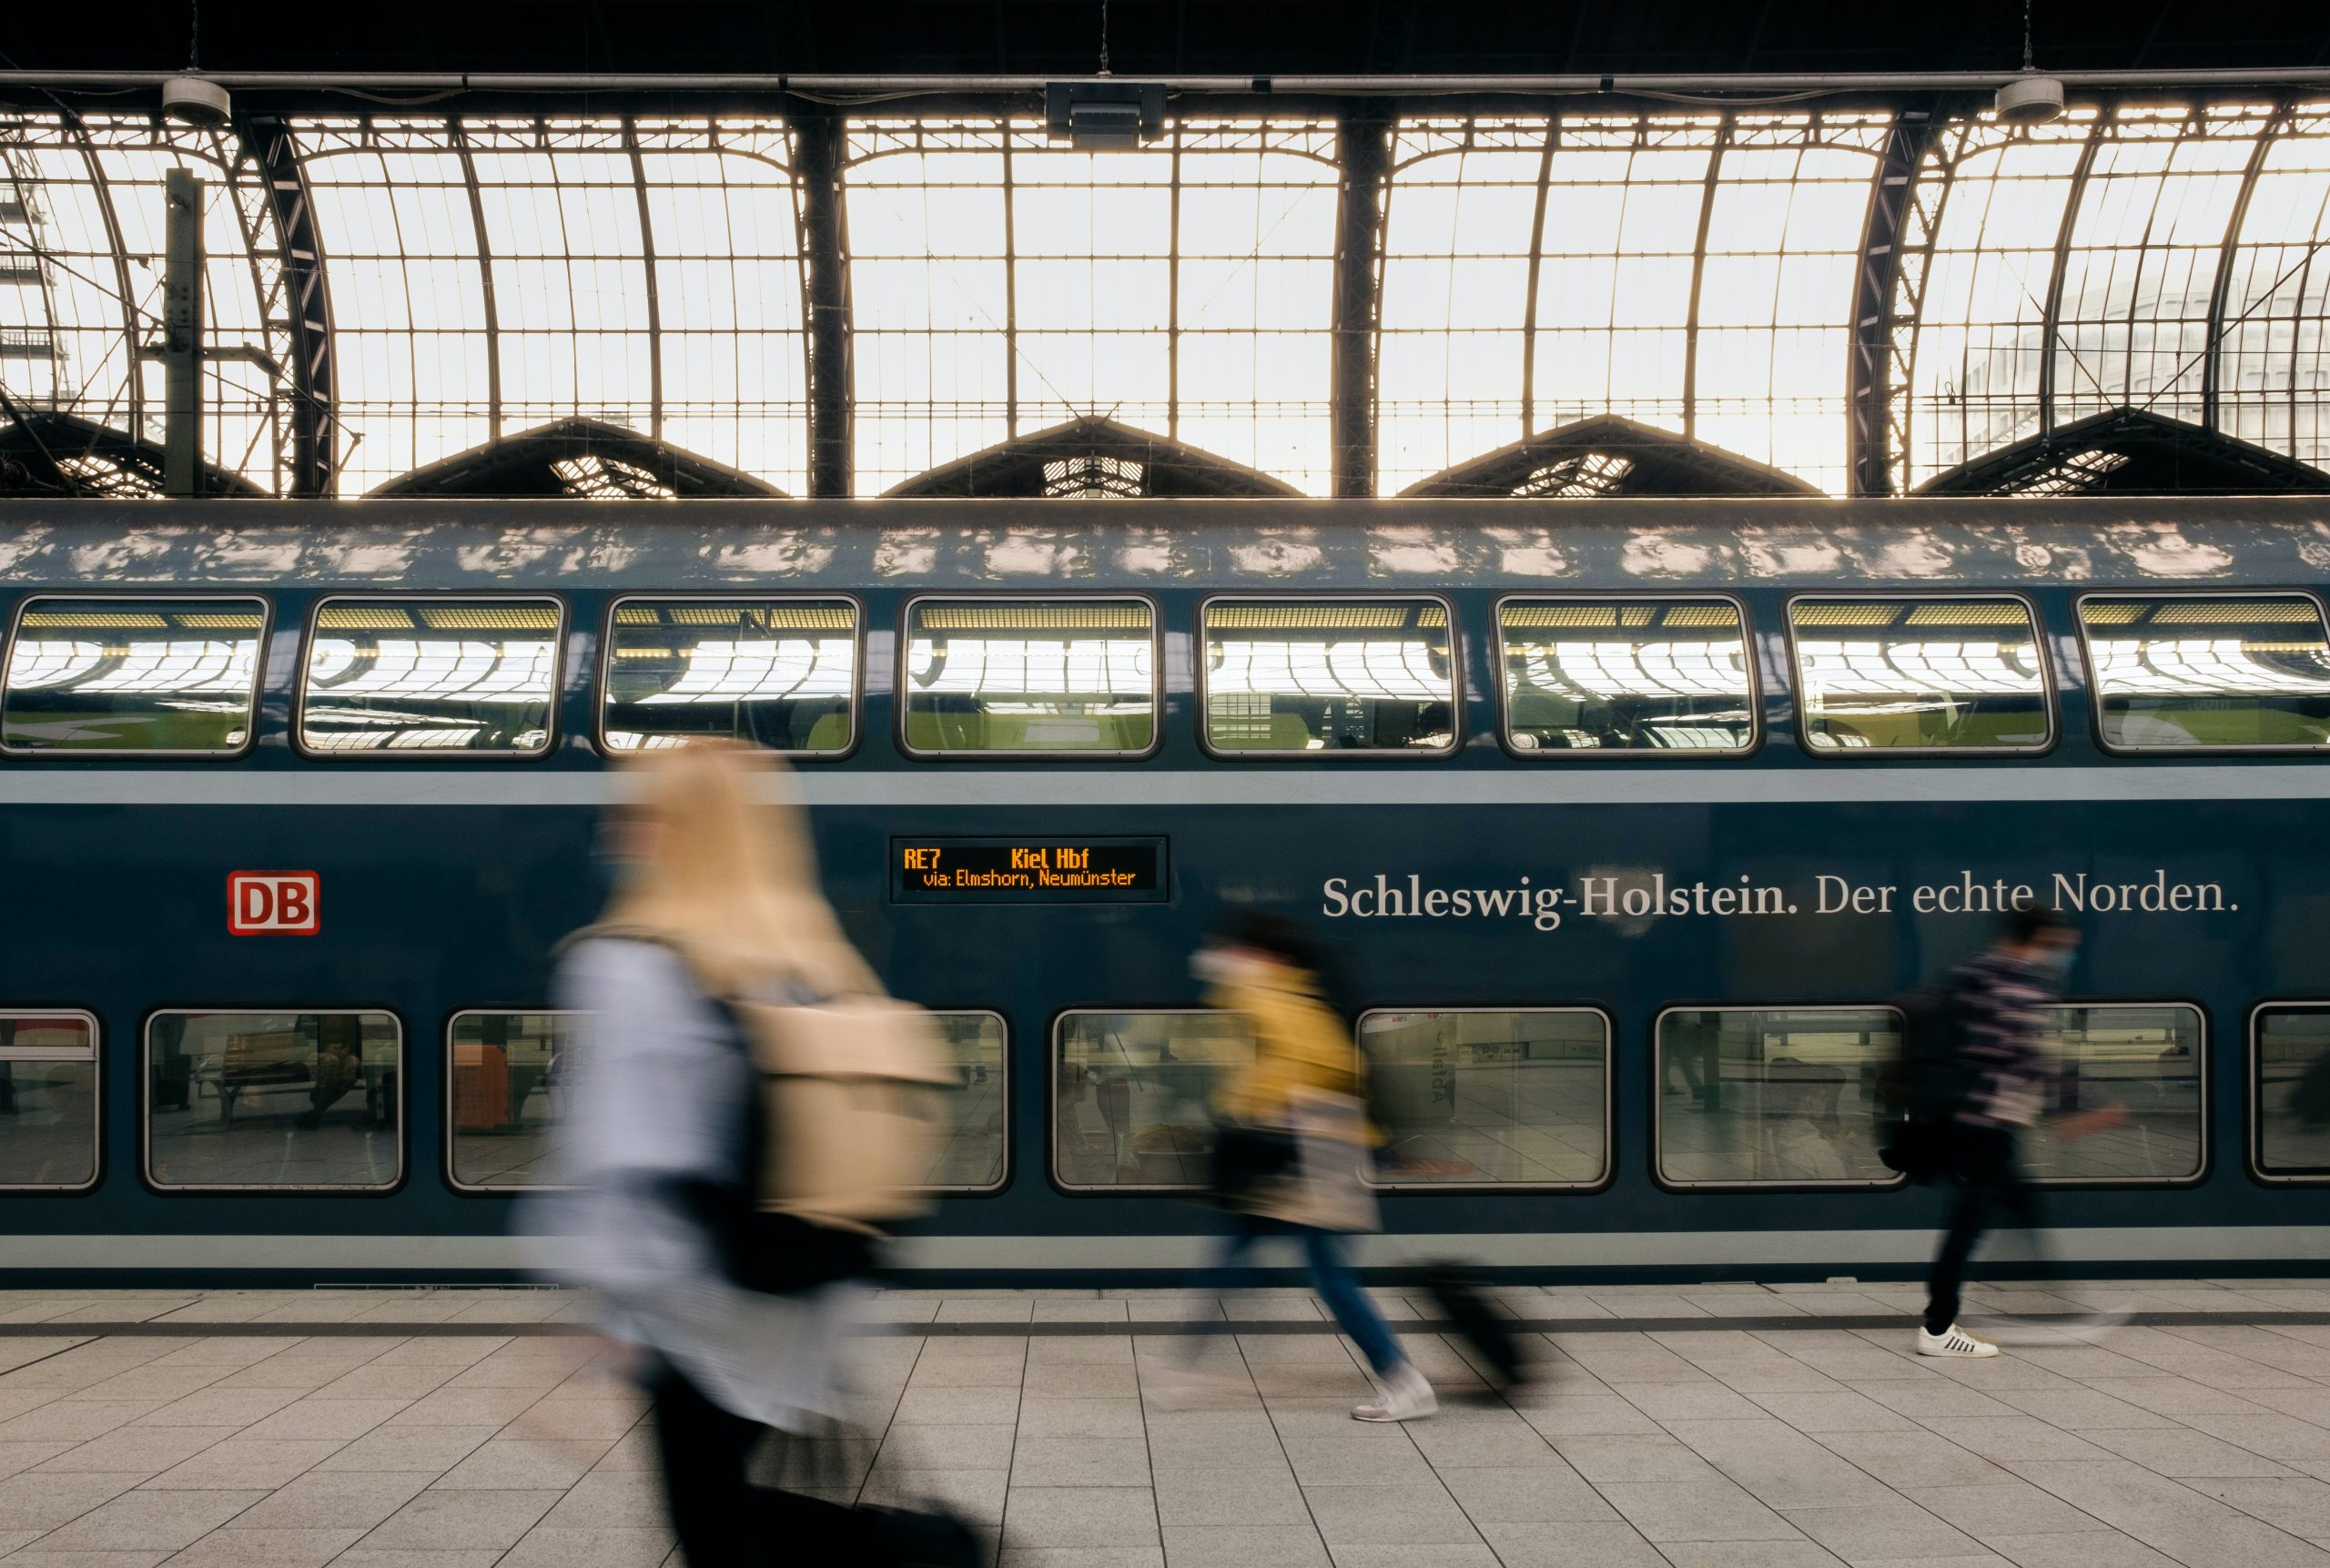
x: 1920, y: 1091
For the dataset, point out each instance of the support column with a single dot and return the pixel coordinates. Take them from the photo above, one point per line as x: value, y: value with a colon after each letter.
x: 820, y: 139
x: 1363, y: 146
x: 182, y: 334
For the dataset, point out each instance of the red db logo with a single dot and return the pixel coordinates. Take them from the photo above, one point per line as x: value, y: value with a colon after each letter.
x: 272, y: 902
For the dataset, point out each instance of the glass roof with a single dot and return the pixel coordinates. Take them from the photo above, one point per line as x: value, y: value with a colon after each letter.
x: 1692, y: 271
x: 1000, y: 285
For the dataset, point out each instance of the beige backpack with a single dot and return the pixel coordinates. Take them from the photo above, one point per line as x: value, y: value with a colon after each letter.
x: 846, y: 1135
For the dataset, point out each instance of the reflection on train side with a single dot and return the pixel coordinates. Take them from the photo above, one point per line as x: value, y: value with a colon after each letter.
x: 2290, y: 1112
x: 2145, y: 1059
x: 292, y: 1101
x: 1490, y: 1097
x: 1752, y: 1094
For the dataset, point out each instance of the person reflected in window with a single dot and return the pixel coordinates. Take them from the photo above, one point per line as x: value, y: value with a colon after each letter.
x: 340, y: 1066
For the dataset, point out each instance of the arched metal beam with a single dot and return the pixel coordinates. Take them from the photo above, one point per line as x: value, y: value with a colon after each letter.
x: 1363, y: 150
x: 1699, y: 273
x: 1868, y: 454
x: 305, y: 304
x: 2051, y: 318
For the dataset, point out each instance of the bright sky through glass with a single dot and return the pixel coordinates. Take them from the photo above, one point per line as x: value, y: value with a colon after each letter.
x: 1692, y: 271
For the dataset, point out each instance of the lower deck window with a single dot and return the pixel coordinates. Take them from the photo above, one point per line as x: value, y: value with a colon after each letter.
x: 1748, y: 1095
x: 48, y: 1101
x: 1480, y: 1097
x: 274, y: 1101
x: 970, y: 1152
x: 2290, y: 1058
x: 509, y: 1077
x: 1132, y: 1095
x: 2149, y: 1062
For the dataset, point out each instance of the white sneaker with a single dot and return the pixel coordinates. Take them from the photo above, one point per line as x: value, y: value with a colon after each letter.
x: 1953, y: 1341
x: 1402, y: 1396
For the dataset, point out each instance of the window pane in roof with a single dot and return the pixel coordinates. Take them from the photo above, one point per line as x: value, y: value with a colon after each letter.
x: 2137, y: 280
x: 1052, y: 271
x: 1978, y: 330
x: 2274, y: 371
x: 74, y: 303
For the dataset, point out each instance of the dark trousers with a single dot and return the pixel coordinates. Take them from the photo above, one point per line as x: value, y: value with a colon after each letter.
x: 1987, y: 1179
x: 1330, y: 1275
x: 723, y: 1518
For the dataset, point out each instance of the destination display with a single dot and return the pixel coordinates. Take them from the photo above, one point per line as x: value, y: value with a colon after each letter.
x: 1027, y: 870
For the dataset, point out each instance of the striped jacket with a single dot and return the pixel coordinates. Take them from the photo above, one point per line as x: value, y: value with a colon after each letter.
x: 2003, y: 1004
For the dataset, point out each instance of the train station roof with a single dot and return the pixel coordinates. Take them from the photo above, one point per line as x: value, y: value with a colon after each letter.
x: 1851, y: 290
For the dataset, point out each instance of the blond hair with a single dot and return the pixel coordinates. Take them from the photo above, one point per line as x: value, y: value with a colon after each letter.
x: 732, y: 883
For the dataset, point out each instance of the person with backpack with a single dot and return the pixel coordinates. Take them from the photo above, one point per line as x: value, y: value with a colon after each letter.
x: 735, y: 1305
x: 1979, y: 1072
x: 1293, y: 1137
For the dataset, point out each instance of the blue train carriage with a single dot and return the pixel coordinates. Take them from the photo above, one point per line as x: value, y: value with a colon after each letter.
x: 1625, y: 822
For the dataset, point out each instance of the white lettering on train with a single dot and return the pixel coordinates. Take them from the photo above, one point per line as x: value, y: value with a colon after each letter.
x: 1643, y: 896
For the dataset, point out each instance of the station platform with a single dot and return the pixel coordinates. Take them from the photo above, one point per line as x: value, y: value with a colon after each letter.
x: 1666, y: 1427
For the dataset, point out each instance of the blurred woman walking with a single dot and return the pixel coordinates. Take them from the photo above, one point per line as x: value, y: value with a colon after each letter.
x: 717, y: 899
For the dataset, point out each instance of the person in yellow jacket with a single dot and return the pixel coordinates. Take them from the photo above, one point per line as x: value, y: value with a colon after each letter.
x: 1292, y: 1137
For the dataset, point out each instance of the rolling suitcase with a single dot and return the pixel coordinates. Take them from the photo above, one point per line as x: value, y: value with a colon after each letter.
x: 1456, y: 1293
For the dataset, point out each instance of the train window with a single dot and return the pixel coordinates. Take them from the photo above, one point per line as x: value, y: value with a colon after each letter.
x: 48, y: 1101
x: 1022, y: 677
x: 2147, y: 1060
x: 1626, y: 675
x: 781, y: 674
x: 1478, y: 1097
x: 508, y: 1078
x: 430, y: 677
x: 974, y: 1120
x: 1747, y: 1096
x: 2219, y: 673
x: 2290, y: 1085
x: 288, y: 1102
x: 1131, y: 1096
x: 87, y: 676
x: 1329, y: 676
x: 1905, y: 674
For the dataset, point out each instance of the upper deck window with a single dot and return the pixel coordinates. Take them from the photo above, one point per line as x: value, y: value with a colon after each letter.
x: 1602, y: 675
x: 1329, y: 676
x: 431, y: 676
x: 1904, y: 675
x: 1030, y: 676
x: 780, y: 673
x: 154, y: 675
x: 2216, y: 672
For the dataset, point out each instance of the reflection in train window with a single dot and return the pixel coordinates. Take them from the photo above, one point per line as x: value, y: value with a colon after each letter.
x: 2290, y: 1057
x: 1480, y: 1099
x: 294, y: 1102
x: 511, y: 1079
x: 974, y: 1122
x: 1604, y: 675
x: 430, y: 677
x: 1028, y: 676
x: 780, y: 673
x: 2144, y: 1060
x: 1329, y: 676
x: 1749, y: 1095
x: 2177, y: 673
x: 156, y: 675
x: 48, y: 1101
x: 1131, y: 1096
x: 1898, y: 674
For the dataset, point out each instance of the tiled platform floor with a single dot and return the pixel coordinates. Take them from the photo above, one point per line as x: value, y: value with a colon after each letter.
x: 202, y: 1440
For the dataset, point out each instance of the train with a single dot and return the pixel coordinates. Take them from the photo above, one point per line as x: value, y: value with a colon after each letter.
x: 1626, y: 826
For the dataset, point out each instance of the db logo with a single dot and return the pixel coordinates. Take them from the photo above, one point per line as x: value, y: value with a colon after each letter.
x: 272, y: 902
